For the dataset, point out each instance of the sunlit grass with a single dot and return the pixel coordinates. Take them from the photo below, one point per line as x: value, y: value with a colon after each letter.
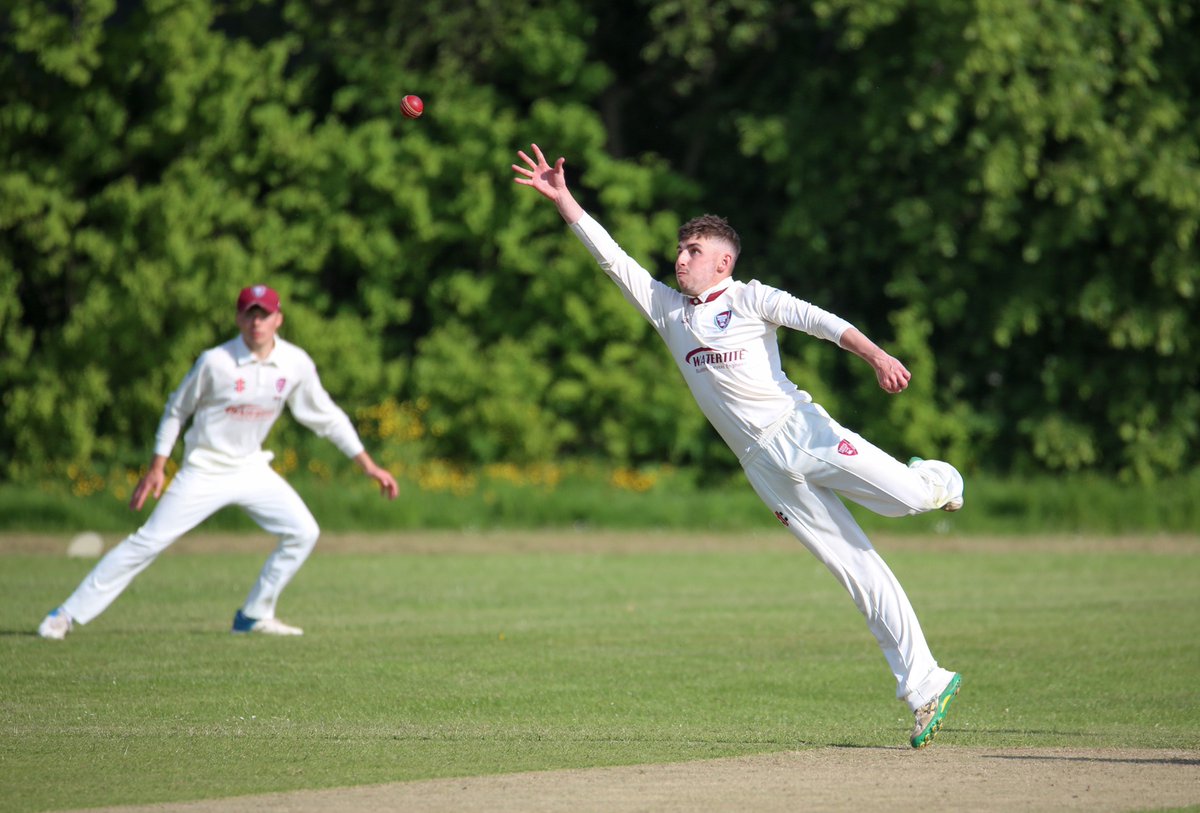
x: 418, y: 666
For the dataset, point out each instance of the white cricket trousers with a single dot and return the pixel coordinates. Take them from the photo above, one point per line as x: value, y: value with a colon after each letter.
x: 193, y: 496
x: 799, y: 468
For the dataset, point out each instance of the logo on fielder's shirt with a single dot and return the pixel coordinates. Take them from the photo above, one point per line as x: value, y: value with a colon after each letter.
x: 707, y: 358
x: 722, y: 320
x: 280, y: 384
x: 240, y: 385
x: 847, y: 448
x: 249, y: 412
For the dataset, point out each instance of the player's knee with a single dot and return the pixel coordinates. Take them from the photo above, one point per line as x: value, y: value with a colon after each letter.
x: 142, y: 546
x: 307, y: 533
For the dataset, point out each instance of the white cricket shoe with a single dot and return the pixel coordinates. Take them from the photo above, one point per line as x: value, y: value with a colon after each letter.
x: 952, y: 480
x: 56, y: 625
x: 267, y: 626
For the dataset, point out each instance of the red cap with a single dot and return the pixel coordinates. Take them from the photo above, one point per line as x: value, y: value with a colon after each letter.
x: 259, y: 295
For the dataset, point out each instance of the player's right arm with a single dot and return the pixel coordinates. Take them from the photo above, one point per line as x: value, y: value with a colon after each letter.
x: 550, y: 181
x: 181, y: 405
x: 644, y: 292
x: 151, y: 483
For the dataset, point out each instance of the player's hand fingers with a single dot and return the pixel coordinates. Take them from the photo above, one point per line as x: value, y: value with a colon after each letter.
x: 139, y: 494
x: 389, y: 488
x: 891, y: 382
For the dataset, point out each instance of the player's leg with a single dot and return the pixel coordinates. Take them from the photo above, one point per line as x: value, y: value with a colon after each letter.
x: 846, y: 462
x: 191, y: 498
x: 277, y: 508
x: 816, y: 517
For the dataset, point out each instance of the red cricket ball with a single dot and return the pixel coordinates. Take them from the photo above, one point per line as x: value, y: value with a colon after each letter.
x: 412, y: 106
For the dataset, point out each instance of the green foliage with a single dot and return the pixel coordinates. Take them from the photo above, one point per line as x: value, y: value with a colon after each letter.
x: 1003, y: 195
x: 1026, y: 175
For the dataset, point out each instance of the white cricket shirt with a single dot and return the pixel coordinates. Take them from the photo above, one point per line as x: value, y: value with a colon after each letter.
x: 726, y: 346
x: 234, y: 398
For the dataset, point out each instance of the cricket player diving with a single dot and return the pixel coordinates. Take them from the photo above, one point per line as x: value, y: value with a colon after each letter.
x: 722, y: 334
x: 233, y: 395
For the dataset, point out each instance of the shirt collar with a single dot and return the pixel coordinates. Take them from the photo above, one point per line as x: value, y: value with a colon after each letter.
x: 242, y: 355
x: 712, y: 293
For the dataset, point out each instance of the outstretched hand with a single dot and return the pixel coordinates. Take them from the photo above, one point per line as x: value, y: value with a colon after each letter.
x: 550, y: 181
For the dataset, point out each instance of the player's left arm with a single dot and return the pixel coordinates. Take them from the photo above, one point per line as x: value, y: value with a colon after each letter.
x: 781, y: 308
x: 387, y: 483
x: 892, y: 375
x: 312, y: 406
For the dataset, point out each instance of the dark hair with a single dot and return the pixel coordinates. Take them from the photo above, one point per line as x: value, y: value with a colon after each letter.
x: 711, y: 226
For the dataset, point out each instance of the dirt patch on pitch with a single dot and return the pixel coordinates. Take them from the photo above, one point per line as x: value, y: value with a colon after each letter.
x: 832, y: 779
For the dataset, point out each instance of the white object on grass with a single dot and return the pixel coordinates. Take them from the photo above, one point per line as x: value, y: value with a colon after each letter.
x: 87, y: 545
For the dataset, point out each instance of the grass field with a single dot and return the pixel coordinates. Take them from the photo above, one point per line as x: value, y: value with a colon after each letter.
x: 463, y: 656
x: 578, y: 495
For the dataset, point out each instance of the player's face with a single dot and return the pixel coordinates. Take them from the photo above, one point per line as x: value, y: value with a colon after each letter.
x: 701, y: 263
x: 258, y: 328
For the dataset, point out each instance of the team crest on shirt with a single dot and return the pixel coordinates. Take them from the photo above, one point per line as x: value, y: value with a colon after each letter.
x: 280, y: 384
x: 847, y: 448
x: 722, y: 319
x: 240, y: 385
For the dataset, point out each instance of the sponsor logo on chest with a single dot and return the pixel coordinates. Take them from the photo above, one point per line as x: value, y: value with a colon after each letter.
x: 708, y: 358
x: 249, y: 412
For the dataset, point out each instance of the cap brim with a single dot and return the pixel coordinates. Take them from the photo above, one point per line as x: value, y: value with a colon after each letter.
x: 268, y: 307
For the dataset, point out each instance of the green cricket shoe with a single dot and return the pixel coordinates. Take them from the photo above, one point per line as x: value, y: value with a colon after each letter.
x: 930, y: 716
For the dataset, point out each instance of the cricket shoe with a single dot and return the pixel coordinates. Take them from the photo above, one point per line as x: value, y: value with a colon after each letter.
x: 928, y: 718
x: 267, y: 626
x: 55, y: 625
x: 954, y: 480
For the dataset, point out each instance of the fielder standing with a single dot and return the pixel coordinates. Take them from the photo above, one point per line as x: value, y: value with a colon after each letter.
x: 233, y: 395
x: 722, y: 334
